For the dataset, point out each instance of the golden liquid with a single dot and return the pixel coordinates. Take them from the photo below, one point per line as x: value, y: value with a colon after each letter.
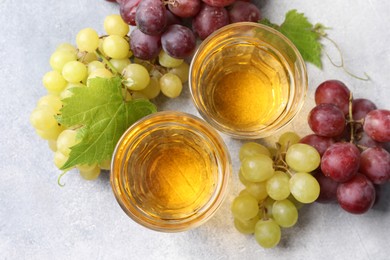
x: 172, y: 176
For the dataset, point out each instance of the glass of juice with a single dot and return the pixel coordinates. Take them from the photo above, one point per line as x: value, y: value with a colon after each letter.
x: 170, y: 171
x: 248, y: 80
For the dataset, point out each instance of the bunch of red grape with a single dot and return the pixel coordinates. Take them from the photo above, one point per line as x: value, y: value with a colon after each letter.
x: 350, y: 134
x: 162, y: 24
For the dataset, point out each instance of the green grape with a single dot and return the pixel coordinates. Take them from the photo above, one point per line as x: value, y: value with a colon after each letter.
x: 74, y: 71
x: 285, y: 213
x: 251, y: 149
x: 304, y: 187
x: 87, y: 57
x: 120, y: 64
x: 114, y: 25
x: 242, y: 178
x: 100, y: 73
x: 105, y: 165
x: 52, y: 145
x: 59, y: 58
x: 153, y: 89
x: 90, y: 175
x: 50, y: 133
x: 66, y: 140
x: 116, y: 47
x: 287, y: 139
x: 87, y: 167
x: 54, y: 82
x: 257, y: 190
x: 171, y: 85
x: 257, y: 168
x: 60, y: 159
x: 182, y: 71
x: 246, y: 226
x: 268, y: 204
x: 67, y: 47
x: 42, y: 118
x: 87, y: 40
x: 167, y: 61
x: 138, y: 95
x: 303, y: 158
x: 278, y: 186
x: 67, y: 91
x: 267, y: 233
x: 52, y: 101
x: 93, y: 65
x: 136, y: 76
x: 245, y: 207
x: 244, y: 192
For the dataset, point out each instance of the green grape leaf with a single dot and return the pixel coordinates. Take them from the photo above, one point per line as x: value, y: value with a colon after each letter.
x: 303, y: 34
x: 102, y: 116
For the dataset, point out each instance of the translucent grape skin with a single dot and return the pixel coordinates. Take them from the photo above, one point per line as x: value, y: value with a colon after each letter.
x: 151, y: 17
x: 241, y: 11
x: 321, y: 143
x: 209, y: 19
x: 251, y: 149
x: 377, y: 125
x: 303, y: 158
x: 328, y: 188
x: 341, y: 161
x: 144, y: 46
x: 244, y: 207
x: 333, y: 92
x: 285, y: 213
x: 326, y: 120
x: 357, y: 195
x: 361, y: 107
x: 304, y: 187
x: 267, y: 233
x: 218, y: 3
x: 185, y: 8
x: 375, y: 164
x: 178, y: 41
x: 127, y: 9
x: 257, y: 168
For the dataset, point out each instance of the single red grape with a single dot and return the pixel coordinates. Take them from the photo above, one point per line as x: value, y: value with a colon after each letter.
x: 333, y: 92
x: 178, y: 41
x: 244, y: 12
x: 377, y: 125
x: 209, y: 19
x: 127, y: 10
x: 144, y: 46
x: 326, y: 120
x: 151, y: 17
x: 185, y: 8
x: 375, y: 164
x: 361, y: 107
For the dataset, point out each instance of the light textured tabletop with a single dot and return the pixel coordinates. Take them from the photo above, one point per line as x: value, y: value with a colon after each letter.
x: 40, y: 220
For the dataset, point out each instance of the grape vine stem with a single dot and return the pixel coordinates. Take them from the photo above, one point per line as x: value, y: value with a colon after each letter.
x: 107, y: 62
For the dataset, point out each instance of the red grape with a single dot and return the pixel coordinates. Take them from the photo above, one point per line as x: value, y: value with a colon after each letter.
x: 151, y: 17
x: 218, y: 3
x: 357, y: 195
x: 209, y: 19
x: 321, y: 143
x: 328, y: 188
x: 361, y: 107
x: 244, y: 12
x: 144, y: 46
x: 326, y: 120
x: 333, y: 92
x: 364, y: 140
x: 340, y: 161
x: 185, y: 8
x: 127, y: 9
x: 178, y: 41
x: 375, y: 164
x: 172, y: 19
x: 377, y: 125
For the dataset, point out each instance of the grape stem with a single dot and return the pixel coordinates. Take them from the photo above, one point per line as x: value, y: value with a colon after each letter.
x: 107, y: 62
x: 59, y: 178
x: 351, y: 122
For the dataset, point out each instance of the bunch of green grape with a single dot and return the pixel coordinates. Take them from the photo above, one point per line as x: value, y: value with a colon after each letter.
x: 105, y: 57
x: 277, y: 182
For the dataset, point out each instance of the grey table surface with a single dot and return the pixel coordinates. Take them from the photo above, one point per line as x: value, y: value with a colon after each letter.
x: 40, y: 220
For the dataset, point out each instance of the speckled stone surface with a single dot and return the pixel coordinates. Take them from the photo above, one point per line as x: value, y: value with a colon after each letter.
x: 40, y: 220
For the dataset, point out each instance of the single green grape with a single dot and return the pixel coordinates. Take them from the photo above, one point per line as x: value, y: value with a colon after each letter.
x: 285, y: 213
x: 114, y: 25
x: 116, y: 47
x: 167, y: 61
x: 93, y: 65
x: 303, y: 158
x: 66, y: 140
x: 52, y: 101
x: 251, y: 148
x: 258, y: 190
x: 136, y: 76
x: 182, y: 71
x: 67, y: 47
x: 59, y: 58
x: 244, y: 192
x: 267, y: 233
x: 278, y: 186
x: 74, y: 72
x: 60, y: 159
x: 287, y: 139
x: 100, y: 73
x: 304, y: 187
x: 120, y: 64
x: 54, y: 82
x: 153, y: 89
x: 171, y: 85
x: 242, y: 178
x: 245, y: 207
x: 91, y: 174
x: 50, y: 133
x: 87, y: 40
x: 246, y: 226
x: 42, y: 118
x: 257, y: 168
